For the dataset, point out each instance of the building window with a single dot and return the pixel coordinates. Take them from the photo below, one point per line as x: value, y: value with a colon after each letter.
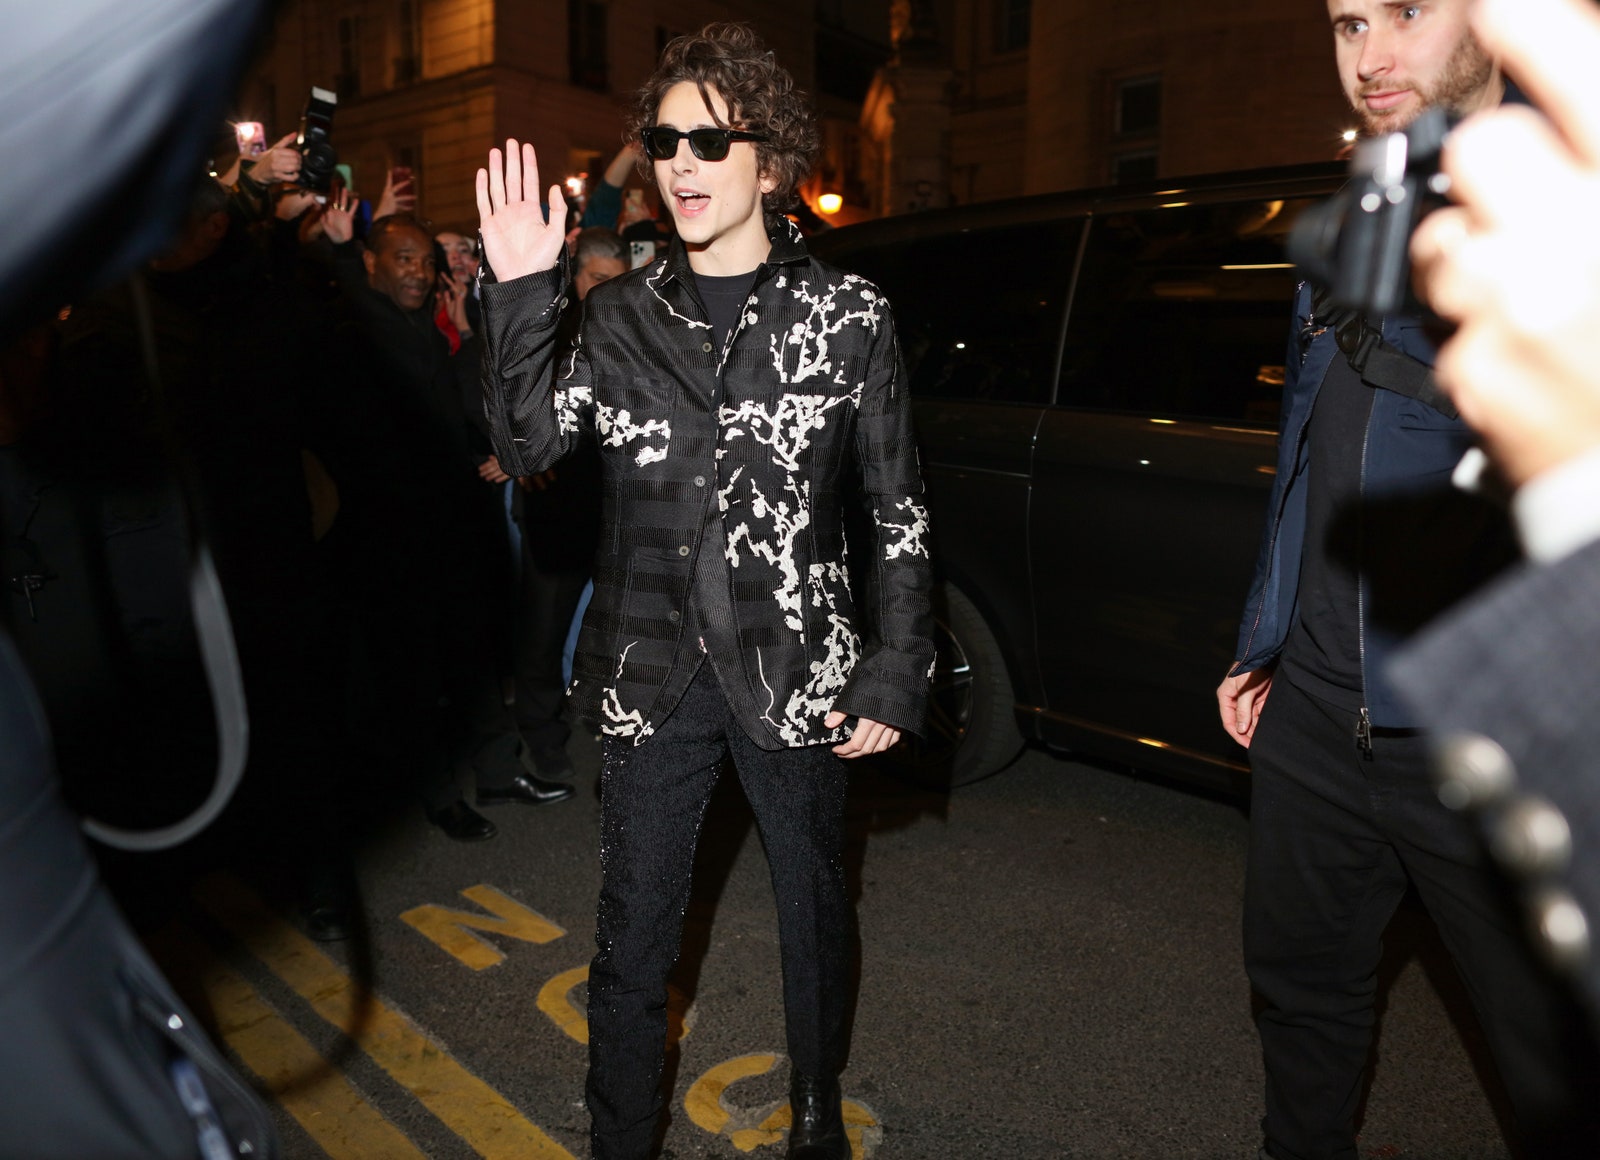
x: 348, y: 81
x: 408, y: 42
x: 1135, y: 129
x: 1138, y: 107
x: 1013, y: 19
x: 1128, y: 168
x: 586, y: 44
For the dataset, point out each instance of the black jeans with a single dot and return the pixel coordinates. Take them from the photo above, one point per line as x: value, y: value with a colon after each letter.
x: 546, y: 601
x: 653, y: 797
x: 1334, y: 837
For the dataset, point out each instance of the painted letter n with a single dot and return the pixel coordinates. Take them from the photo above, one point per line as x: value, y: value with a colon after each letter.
x: 453, y: 929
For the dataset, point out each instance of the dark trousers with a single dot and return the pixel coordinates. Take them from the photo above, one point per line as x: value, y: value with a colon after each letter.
x: 653, y: 798
x: 1334, y: 837
x: 547, y: 598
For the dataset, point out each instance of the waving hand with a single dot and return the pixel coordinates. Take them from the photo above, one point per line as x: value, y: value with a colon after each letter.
x: 517, y: 239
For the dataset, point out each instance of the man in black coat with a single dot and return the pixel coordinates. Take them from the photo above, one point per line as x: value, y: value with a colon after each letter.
x: 733, y: 388
x: 416, y: 535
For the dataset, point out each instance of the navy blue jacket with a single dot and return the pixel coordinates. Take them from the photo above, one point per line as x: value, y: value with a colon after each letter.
x: 1408, y: 455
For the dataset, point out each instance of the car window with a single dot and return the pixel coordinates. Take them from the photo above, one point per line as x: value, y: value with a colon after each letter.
x: 978, y: 312
x: 1183, y: 311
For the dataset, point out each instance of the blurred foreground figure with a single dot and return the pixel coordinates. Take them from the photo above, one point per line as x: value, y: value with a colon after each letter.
x: 104, y: 111
x: 1511, y: 680
x: 1367, y: 542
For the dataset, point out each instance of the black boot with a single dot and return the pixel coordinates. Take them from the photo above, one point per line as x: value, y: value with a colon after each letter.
x: 817, y: 1132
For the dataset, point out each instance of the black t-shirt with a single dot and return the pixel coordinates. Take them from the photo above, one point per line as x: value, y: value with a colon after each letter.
x: 709, y: 629
x: 1323, y: 652
x: 724, y: 298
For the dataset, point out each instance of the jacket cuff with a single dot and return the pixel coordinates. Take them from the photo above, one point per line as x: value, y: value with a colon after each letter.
x: 541, y: 293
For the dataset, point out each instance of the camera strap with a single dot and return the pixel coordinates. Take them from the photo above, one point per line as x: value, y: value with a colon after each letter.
x: 218, y: 653
x: 1380, y: 363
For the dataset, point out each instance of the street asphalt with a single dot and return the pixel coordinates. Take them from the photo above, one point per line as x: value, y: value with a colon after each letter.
x: 1050, y: 967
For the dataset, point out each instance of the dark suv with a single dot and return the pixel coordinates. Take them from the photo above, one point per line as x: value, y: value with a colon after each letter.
x: 1097, y: 379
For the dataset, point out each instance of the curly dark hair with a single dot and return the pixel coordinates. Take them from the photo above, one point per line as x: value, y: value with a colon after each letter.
x: 760, y: 94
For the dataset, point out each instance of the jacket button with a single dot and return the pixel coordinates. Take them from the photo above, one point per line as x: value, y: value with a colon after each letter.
x: 706, y: 348
x: 1563, y: 932
x: 674, y: 616
x: 1531, y: 837
x: 1474, y: 771
x: 563, y: 303
x: 699, y: 481
x: 683, y: 549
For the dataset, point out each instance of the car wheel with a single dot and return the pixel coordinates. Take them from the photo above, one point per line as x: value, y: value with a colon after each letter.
x: 972, y: 725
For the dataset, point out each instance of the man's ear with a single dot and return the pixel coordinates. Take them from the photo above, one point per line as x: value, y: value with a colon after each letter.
x: 768, y: 183
x: 370, y: 260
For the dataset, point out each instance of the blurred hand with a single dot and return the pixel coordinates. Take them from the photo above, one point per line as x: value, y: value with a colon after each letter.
x: 489, y: 471
x: 280, y: 163
x: 294, y: 202
x: 399, y: 196
x: 541, y: 482
x: 1517, y: 263
x: 517, y: 240
x: 866, y: 738
x: 339, y: 217
x: 1240, y: 699
x: 633, y: 211
x: 311, y: 225
x: 453, y: 296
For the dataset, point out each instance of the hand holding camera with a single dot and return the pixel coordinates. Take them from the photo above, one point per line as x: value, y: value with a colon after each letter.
x: 1520, y: 278
x: 279, y: 163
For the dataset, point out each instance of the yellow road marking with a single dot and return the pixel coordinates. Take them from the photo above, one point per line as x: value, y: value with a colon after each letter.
x: 452, y: 929
x: 465, y: 1104
x: 324, y: 1103
x: 752, y: 1128
x: 555, y: 1000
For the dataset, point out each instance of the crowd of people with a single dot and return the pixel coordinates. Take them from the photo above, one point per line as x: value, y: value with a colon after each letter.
x: 310, y: 363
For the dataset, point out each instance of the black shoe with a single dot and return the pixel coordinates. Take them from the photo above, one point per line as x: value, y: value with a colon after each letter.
x: 817, y: 1131
x: 525, y: 789
x: 547, y: 761
x: 460, y: 821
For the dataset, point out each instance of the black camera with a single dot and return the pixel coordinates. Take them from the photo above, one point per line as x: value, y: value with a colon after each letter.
x: 317, y: 158
x: 1357, y: 243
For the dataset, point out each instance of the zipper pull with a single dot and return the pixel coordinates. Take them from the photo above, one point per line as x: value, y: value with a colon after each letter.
x: 1364, y: 734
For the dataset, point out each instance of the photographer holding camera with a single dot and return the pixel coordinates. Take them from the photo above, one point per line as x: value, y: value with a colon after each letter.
x: 1509, y: 679
x: 1366, y: 542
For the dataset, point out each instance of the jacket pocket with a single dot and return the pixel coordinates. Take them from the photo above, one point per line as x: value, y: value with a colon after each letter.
x: 633, y: 417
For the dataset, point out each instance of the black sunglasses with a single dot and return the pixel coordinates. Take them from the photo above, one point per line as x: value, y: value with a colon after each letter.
x: 661, y: 141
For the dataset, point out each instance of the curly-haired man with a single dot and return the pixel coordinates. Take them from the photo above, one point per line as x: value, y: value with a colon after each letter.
x: 734, y: 387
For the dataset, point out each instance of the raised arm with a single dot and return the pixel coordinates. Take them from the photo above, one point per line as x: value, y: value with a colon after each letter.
x: 533, y: 416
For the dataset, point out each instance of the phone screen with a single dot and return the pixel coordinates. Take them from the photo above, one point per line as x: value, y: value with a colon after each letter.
x: 252, y: 138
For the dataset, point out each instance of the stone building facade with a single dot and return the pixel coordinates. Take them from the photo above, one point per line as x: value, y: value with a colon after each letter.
x: 994, y: 98
x: 433, y: 84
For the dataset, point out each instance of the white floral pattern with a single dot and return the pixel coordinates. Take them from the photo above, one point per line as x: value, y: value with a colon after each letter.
x: 907, y: 538
x: 618, y: 429
x: 805, y: 350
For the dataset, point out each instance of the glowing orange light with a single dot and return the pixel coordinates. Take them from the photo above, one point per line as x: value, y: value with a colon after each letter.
x: 830, y: 203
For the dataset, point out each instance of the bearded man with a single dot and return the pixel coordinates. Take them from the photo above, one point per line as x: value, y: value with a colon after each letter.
x: 1366, y: 541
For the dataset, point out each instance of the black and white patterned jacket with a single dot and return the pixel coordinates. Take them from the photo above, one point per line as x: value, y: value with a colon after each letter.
x: 808, y: 393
